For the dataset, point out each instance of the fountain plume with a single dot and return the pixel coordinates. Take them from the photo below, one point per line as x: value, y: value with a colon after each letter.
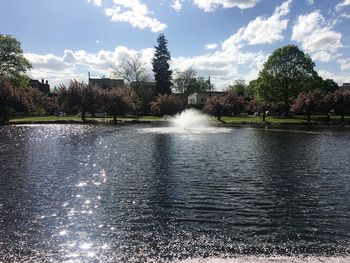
x: 190, y: 119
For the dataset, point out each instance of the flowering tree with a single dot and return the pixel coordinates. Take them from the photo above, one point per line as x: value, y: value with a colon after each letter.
x: 308, y: 103
x: 342, y: 102
x: 42, y: 103
x: 260, y: 106
x: 228, y: 104
x: 12, y: 100
x: 79, y: 96
x: 167, y: 104
x: 119, y: 101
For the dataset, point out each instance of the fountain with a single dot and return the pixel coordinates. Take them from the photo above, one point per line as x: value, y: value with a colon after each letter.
x: 190, y: 121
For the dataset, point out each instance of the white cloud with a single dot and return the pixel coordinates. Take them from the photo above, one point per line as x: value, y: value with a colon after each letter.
x: 342, y: 4
x: 345, y: 16
x: 224, y: 65
x: 96, y: 2
x: 177, y: 5
x: 317, y: 36
x: 309, y: 2
x: 135, y: 13
x: 262, y: 30
x: 210, y: 5
x: 211, y: 46
x: 337, y: 77
x: 76, y: 64
x: 344, y: 64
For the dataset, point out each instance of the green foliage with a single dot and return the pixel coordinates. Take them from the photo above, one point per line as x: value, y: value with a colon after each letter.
x: 285, y: 74
x: 167, y: 104
x: 239, y: 87
x: 325, y: 86
x: 161, y: 68
x: 187, y: 83
x: 13, y: 64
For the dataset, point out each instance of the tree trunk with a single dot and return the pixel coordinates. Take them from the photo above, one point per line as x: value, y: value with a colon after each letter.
x: 308, y: 117
x: 342, y: 118
x: 328, y: 118
x: 264, y: 116
x: 83, y: 116
x: 115, y: 118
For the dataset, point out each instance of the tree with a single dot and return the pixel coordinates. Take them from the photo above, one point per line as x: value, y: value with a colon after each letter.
x: 167, y: 104
x: 187, y: 82
x: 184, y: 81
x: 79, y: 96
x: 42, y: 103
x: 308, y: 103
x: 131, y: 68
x: 342, y: 102
x: 12, y: 100
x: 227, y: 105
x: 327, y: 105
x: 285, y: 74
x: 119, y: 101
x: 161, y: 68
x: 13, y: 64
x: 251, y: 89
x: 325, y: 86
x: 329, y: 85
x: 239, y: 87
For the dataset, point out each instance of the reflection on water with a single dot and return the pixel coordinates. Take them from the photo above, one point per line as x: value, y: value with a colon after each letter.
x: 185, y: 131
x: 143, y: 194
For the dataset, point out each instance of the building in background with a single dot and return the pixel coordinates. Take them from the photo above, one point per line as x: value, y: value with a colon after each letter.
x: 345, y: 86
x: 105, y: 83
x: 199, y: 98
x: 43, y: 86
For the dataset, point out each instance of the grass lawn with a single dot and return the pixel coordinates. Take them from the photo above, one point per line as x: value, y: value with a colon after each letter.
x: 78, y: 118
x: 129, y: 118
x: 275, y: 119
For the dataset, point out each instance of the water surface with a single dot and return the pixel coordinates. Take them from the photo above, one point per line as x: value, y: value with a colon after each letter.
x: 144, y: 194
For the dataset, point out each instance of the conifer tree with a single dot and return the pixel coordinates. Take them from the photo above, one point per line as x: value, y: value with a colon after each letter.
x: 161, y: 68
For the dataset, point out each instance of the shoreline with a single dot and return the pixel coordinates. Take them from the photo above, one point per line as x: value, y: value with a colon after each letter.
x: 163, y: 122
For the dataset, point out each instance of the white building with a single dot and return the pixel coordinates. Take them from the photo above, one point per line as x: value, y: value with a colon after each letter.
x: 199, y: 98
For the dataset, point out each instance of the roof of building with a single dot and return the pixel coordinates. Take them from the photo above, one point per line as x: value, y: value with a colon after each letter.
x: 106, y: 82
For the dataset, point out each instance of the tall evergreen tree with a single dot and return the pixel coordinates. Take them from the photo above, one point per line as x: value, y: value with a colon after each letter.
x: 162, y: 73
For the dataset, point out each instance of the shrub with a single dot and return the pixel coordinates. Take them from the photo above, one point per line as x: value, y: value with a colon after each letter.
x: 167, y: 104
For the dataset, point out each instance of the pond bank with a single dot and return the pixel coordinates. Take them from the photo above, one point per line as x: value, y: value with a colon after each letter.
x: 163, y: 122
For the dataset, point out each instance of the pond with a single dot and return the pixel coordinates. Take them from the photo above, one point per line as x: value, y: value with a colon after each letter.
x: 141, y: 193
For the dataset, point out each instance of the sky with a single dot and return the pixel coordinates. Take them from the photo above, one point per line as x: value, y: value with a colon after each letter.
x: 224, y: 39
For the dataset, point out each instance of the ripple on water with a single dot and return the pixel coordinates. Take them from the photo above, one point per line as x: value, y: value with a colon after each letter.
x: 132, y: 194
x: 185, y: 131
x: 277, y: 259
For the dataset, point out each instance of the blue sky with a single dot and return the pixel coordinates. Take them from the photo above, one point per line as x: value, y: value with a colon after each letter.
x: 226, y: 39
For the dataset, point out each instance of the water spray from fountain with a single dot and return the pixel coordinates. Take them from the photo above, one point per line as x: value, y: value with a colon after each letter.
x: 188, y: 122
x: 190, y: 119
